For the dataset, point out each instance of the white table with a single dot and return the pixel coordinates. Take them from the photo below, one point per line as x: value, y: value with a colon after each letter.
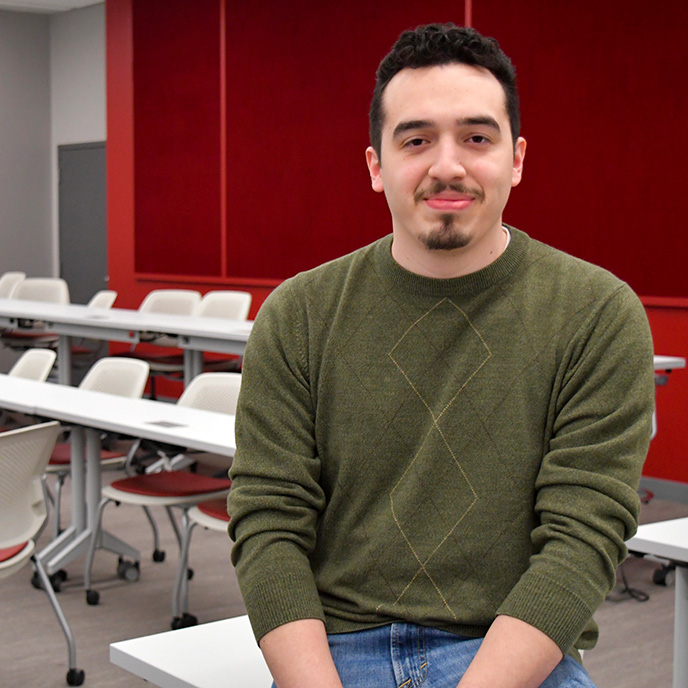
x: 668, y: 363
x: 193, y: 334
x: 89, y: 413
x: 221, y: 654
x: 669, y: 540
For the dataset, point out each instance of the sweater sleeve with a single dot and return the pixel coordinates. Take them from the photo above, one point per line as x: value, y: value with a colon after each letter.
x: 275, y: 497
x: 586, y: 490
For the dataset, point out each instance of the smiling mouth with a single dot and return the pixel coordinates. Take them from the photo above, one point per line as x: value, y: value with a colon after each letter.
x: 448, y: 197
x: 448, y: 203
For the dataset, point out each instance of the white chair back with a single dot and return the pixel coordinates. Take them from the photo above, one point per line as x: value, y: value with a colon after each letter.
x: 102, y: 299
x: 8, y: 281
x: 213, y: 392
x: 34, y: 364
x: 125, y: 377
x: 172, y: 301
x: 46, y: 289
x: 232, y: 305
x: 24, y: 454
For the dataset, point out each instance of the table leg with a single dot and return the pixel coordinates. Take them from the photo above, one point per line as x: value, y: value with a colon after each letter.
x: 64, y: 548
x: 193, y: 365
x: 77, y: 471
x: 75, y: 541
x: 681, y: 628
x: 93, y: 495
x: 64, y: 359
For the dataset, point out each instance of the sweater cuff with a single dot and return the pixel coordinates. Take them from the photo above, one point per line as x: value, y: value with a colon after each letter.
x: 279, y: 600
x: 556, y: 611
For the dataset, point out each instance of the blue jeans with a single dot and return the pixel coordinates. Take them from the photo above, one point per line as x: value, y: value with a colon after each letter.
x: 404, y: 655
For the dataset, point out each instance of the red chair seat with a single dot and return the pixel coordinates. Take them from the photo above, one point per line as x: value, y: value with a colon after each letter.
x: 30, y: 336
x: 10, y: 552
x: 171, y: 484
x: 217, y: 508
x: 62, y: 454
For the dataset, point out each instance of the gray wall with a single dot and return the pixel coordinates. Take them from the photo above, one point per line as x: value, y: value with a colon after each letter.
x: 77, y: 86
x: 25, y: 179
x: 52, y: 92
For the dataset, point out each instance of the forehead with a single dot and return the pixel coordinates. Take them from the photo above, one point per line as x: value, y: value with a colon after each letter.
x: 446, y: 91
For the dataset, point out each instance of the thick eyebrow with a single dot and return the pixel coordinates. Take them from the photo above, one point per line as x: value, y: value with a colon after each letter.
x: 412, y: 124
x: 483, y: 120
x: 480, y: 120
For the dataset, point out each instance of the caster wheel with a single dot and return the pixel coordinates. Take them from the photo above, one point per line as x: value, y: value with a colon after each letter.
x: 92, y: 597
x: 128, y: 570
x: 75, y: 677
x: 666, y: 575
x: 56, y: 580
x: 183, y: 621
x: 159, y: 555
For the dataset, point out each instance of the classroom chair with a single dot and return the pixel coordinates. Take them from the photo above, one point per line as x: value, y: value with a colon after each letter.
x: 8, y: 281
x: 24, y: 453
x: 125, y: 377
x: 170, y: 488
x: 225, y: 304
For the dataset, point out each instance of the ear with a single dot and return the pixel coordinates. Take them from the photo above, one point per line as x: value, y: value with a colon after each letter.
x: 375, y: 169
x: 519, y: 156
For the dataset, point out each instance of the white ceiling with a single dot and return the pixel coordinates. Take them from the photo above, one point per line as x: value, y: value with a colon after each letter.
x: 46, y: 6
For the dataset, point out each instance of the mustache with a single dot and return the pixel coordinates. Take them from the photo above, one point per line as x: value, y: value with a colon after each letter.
x: 438, y: 187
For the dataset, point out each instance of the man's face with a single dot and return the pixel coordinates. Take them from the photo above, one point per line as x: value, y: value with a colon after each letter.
x: 448, y: 161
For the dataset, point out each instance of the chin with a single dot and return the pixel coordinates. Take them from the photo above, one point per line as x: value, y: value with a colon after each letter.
x: 447, y: 237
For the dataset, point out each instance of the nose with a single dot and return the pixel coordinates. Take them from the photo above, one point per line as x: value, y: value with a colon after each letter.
x: 446, y: 164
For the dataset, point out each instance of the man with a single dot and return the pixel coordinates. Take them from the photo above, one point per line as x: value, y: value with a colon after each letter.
x: 440, y: 436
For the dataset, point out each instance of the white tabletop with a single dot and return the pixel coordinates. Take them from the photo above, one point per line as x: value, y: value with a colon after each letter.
x: 154, y: 420
x: 79, y: 320
x: 221, y: 654
x: 14, y: 395
x: 666, y: 539
x: 669, y: 362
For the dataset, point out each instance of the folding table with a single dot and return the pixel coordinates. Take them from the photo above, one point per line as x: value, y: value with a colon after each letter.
x: 193, y: 334
x: 669, y: 540
x: 90, y: 413
x: 220, y: 654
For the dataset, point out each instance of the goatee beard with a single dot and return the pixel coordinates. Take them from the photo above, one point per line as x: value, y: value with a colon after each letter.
x: 446, y: 237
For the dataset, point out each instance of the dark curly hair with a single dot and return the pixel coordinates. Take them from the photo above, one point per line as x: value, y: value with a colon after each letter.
x: 441, y: 44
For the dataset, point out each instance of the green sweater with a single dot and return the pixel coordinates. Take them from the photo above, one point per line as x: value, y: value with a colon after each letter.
x: 441, y: 451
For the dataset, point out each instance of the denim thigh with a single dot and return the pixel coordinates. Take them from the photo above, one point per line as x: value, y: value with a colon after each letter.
x: 404, y: 655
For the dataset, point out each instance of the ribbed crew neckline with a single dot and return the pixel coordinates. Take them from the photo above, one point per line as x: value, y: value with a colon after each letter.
x: 496, y: 271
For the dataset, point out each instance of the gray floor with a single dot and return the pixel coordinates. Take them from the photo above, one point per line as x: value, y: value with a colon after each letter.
x: 635, y: 649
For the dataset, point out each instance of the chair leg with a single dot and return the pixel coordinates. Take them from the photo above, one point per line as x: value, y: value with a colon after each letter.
x: 61, y: 477
x: 158, y: 554
x: 49, y: 504
x: 180, y: 596
x: 173, y: 523
x: 93, y: 596
x: 75, y: 676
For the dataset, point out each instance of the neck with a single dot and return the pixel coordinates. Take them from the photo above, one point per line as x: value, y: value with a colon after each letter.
x: 439, y: 264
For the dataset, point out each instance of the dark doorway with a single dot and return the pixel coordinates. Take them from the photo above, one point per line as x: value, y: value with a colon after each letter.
x: 82, y: 219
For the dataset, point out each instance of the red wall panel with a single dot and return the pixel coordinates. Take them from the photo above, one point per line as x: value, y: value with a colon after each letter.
x: 299, y: 80
x: 668, y: 451
x: 176, y: 47
x: 602, y: 107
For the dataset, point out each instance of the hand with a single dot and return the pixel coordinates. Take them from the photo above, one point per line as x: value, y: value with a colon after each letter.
x: 513, y: 654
